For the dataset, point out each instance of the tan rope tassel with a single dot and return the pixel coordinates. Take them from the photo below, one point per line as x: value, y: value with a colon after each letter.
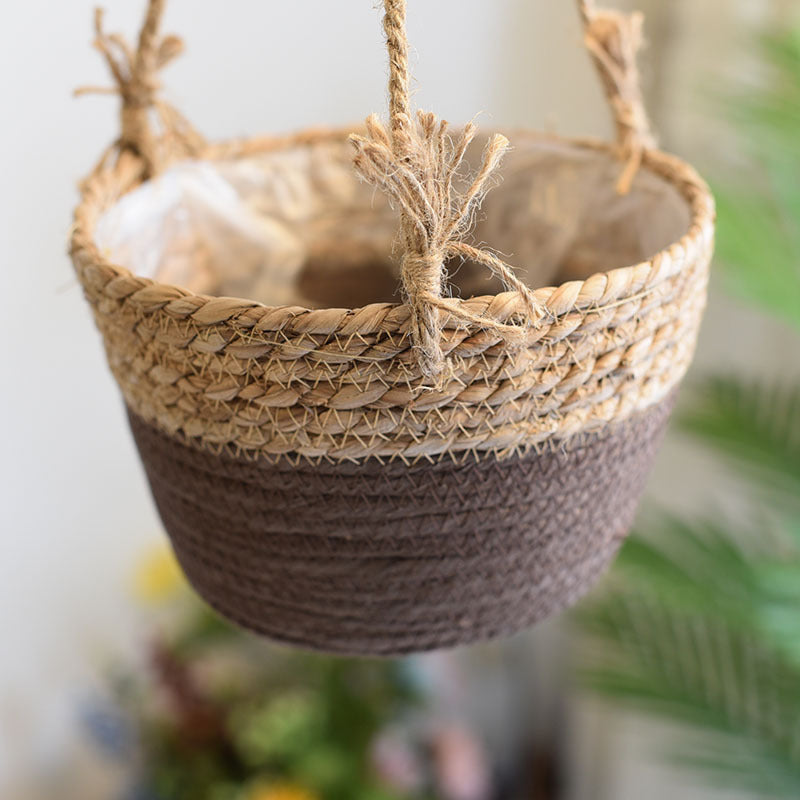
x: 415, y: 163
x: 135, y: 75
x: 614, y: 39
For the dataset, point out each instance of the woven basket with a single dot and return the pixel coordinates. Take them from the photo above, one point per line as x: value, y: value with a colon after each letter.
x: 397, y: 476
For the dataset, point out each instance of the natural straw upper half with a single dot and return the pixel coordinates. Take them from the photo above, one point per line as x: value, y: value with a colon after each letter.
x: 433, y: 376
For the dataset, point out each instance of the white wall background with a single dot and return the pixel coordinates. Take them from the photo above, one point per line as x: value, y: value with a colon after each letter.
x: 75, y: 513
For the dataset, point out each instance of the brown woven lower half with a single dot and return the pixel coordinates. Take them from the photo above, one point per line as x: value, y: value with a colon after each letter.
x: 388, y: 559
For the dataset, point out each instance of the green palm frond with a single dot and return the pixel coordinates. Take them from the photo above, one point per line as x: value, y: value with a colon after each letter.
x: 768, y: 104
x: 692, y: 626
x: 739, y: 763
x: 757, y: 426
x: 762, y: 261
x: 699, y: 568
x: 759, y: 214
x: 719, y: 679
x: 690, y: 566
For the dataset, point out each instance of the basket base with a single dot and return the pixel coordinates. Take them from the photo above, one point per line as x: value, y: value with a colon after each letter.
x: 386, y: 559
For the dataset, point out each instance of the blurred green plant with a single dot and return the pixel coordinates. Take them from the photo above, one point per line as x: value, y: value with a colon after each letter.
x: 214, y: 713
x: 700, y: 621
x: 220, y: 715
x: 759, y: 205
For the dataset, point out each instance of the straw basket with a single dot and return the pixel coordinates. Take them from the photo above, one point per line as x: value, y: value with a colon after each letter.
x: 343, y: 468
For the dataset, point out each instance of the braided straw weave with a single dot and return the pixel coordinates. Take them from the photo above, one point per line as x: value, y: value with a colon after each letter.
x: 276, y: 437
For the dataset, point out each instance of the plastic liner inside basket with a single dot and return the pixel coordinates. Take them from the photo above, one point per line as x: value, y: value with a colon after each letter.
x: 365, y: 431
x: 297, y: 226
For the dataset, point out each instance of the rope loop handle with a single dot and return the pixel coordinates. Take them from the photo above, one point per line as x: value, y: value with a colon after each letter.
x: 613, y: 40
x: 135, y: 74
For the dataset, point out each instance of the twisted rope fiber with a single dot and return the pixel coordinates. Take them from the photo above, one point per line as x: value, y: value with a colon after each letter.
x: 322, y: 575
x: 613, y: 39
x: 416, y: 164
x: 135, y: 75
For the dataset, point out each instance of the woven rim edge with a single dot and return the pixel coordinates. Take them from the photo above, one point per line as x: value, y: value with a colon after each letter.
x: 107, y: 184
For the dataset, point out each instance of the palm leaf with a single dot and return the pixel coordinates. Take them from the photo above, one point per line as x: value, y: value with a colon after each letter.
x: 739, y: 763
x: 705, y: 673
x: 693, y: 567
x: 759, y: 234
x: 692, y: 627
x: 757, y: 426
x: 761, y: 261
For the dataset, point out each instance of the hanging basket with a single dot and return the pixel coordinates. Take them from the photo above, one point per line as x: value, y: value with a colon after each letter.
x: 365, y: 442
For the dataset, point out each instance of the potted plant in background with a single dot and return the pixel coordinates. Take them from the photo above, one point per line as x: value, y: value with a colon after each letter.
x: 213, y: 713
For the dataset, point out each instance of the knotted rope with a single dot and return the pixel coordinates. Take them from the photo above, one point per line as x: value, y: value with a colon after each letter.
x: 614, y: 40
x: 416, y: 163
x: 135, y: 75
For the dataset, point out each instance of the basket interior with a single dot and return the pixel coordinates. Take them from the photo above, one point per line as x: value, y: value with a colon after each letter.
x: 296, y: 225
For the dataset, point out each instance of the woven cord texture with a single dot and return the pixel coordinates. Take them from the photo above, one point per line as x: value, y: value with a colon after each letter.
x: 386, y: 559
x: 232, y: 375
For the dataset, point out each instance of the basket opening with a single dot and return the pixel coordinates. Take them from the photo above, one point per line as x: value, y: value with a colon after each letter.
x: 350, y: 278
x: 347, y: 280
x: 296, y: 226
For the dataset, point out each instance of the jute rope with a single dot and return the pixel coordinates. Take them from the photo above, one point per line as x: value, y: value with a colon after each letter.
x: 135, y: 75
x: 613, y: 39
x: 416, y: 163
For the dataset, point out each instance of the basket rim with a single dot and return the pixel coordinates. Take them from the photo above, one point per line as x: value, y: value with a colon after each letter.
x: 107, y: 184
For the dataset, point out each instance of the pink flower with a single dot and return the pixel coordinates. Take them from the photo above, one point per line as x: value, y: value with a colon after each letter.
x: 462, y: 771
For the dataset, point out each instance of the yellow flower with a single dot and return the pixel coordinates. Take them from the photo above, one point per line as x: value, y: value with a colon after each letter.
x: 281, y: 791
x: 158, y: 576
